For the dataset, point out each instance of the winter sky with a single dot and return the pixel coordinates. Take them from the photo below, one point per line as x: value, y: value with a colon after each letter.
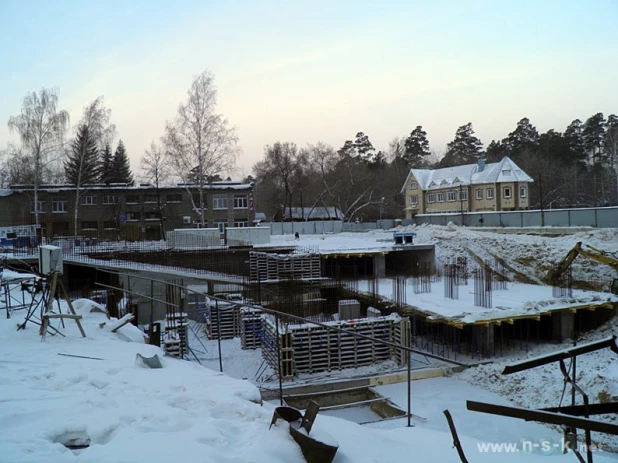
x: 306, y: 71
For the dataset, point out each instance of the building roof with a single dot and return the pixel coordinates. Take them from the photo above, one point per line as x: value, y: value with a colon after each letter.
x: 313, y: 213
x: 125, y: 187
x: 469, y: 174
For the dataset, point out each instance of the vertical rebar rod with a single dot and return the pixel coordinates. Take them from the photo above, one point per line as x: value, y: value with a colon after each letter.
x: 219, y: 334
x: 409, y: 389
x: 279, y: 359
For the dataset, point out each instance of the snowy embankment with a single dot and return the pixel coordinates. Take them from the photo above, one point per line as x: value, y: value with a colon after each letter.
x: 92, y: 391
x: 543, y: 386
x: 527, y: 257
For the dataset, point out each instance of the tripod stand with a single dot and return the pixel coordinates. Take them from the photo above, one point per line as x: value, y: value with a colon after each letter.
x: 46, y: 303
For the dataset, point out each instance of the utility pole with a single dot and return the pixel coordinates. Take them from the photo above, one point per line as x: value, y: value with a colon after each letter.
x: 541, y: 199
x: 461, y: 204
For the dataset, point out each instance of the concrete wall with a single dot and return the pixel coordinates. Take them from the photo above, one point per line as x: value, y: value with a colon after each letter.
x: 305, y: 228
x: 188, y: 237
x: 247, y: 235
x: 600, y: 217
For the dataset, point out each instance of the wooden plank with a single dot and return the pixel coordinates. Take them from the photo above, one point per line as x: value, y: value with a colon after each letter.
x: 63, y: 315
x: 122, y: 322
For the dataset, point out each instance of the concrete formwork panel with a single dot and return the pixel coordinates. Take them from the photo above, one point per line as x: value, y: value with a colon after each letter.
x: 247, y: 235
x: 189, y: 237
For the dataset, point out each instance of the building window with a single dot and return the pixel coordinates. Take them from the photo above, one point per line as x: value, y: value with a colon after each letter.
x: 431, y: 198
x: 506, y: 172
x: 60, y: 205
x: 196, y: 202
x: 89, y: 200
x: 413, y: 185
x: 150, y: 199
x: 132, y: 199
x: 110, y: 199
x: 221, y: 224
x: 463, y: 195
x: 522, y: 192
x: 479, y: 194
x: 90, y: 225
x: 507, y: 193
x: 219, y: 202
x: 241, y: 202
x: 133, y: 216
x: 414, y: 200
x: 152, y: 216
x: 440, y: 197
x: 110, y: 225
x: 452, y: 196
x: 174, y: 198
x: 241, y: 223
x: 490, y: 193
x: 40, y: 206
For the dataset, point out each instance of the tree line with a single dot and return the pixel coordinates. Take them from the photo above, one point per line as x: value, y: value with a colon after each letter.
x: 196, y: 149
x: 574, y: 168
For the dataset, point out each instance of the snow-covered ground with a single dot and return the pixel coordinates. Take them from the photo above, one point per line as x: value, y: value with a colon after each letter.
x: 527, y: 257
x: 93, y: 389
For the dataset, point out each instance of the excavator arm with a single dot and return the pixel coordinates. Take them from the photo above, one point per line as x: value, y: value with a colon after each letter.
x: 590, y: 252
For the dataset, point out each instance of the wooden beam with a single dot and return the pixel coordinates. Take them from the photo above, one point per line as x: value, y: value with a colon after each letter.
x: 123, y: 321
x: 63, y: 315
x: 543, y: 417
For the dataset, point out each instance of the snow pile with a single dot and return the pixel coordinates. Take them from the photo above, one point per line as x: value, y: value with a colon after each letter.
x: 89, y: 394
x: 543, y: 386
x: 527, y: 257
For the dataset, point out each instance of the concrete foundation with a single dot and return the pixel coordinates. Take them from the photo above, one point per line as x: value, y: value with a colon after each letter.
x: 379, y: 266
x: 483, y: 340
x: 562, y: 325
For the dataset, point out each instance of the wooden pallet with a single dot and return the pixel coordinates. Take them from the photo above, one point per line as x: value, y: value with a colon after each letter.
x: 175, y: 338
x: 319, y: 349
x: 250, y: 328
x: 275, y: 267
x: 224, y: 323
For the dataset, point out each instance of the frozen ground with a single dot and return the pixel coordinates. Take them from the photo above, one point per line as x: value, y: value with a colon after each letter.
x: 190, y: 412
x: 527, y: 257
x: 92, y: 390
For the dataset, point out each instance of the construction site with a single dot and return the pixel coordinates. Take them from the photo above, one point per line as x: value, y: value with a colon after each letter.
x: 334, y: 320
x: 460, y: 308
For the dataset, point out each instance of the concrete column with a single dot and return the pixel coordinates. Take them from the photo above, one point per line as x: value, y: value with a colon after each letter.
x: 562, y: 324
x: 483, y: 339
x: 379, y: 266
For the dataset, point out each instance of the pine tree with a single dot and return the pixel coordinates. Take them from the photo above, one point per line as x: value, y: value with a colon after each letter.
x: 464, y: 149
x: 416, y: 148
x: 83, y: 165
x: 495, y: 151
x: 524, y: 138
x: 611, y: 139
x: 594, y: 133
x: 364, y: 147
x: 574, y: 138
x: 120, y: 166
x: 106, y: 165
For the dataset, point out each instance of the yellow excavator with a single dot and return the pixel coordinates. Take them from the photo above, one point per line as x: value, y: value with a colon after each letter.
x: 590, y: 252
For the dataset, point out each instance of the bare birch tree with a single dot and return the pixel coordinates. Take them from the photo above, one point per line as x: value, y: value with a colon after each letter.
x: 199, y: 144
x: 41, y: 127
x: 96, y: 118
x: 156, y: 170
x: 95, y: 126
x: 284, y: 165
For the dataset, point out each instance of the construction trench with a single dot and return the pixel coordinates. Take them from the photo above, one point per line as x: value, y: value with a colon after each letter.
x: 339, y: 291
x: 303, y: 282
